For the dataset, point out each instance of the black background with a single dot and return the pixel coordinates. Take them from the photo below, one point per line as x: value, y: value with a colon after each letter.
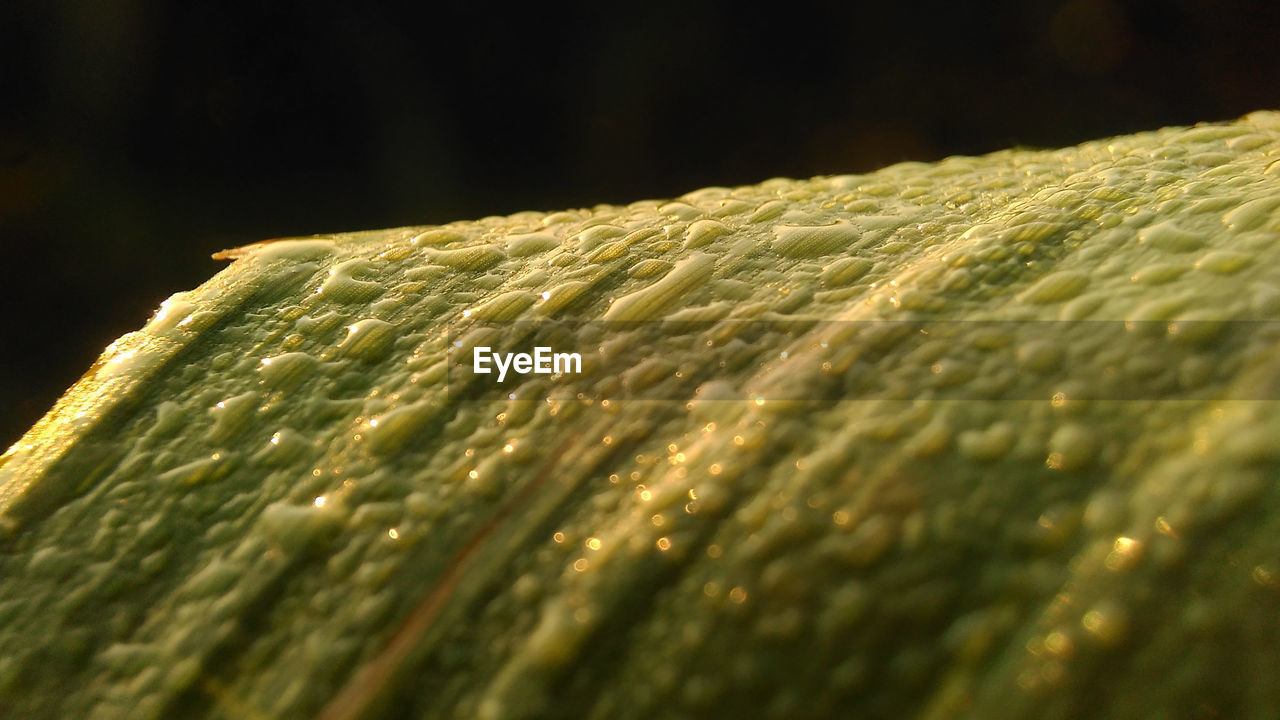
x: 137, y: 136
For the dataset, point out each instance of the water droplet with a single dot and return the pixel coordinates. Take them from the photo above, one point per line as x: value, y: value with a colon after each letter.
x: 1158, y: 274
x: 814, y: 241
x: 1055, y: 287
x: 342, y: 285
x: 1071, y: 447
x: 653, y: 301
x: 1251, y: 214
x: 480, y: 257
x: 1169, y: 237
x: 505, y: 307
x: 531, y: 244
x: 1224, y: 262
x: 232, y: 416
x: 287, y: 371
x: 369, y: 340
x: 438, y: 236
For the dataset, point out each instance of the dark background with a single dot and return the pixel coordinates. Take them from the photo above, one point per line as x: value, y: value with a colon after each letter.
x: 138, y: 136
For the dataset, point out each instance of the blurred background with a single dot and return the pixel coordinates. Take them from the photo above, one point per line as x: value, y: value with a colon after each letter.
x: 139, y: 136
